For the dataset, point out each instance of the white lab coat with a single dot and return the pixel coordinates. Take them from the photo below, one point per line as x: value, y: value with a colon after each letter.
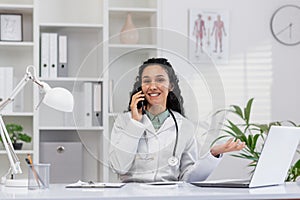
x: 139, y: 153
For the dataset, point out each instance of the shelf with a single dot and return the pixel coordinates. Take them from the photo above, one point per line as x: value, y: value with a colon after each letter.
x: 71, y: 79
x: 135, y: 13
x: 24, y: 8
x: 138, y: 10
x: 96, y: 128
x: 18, y: 152
x: 17, y: 44
x: 132, y: 46
x: 71, y: 25
x: 18, y: 114
x: 133, y: 3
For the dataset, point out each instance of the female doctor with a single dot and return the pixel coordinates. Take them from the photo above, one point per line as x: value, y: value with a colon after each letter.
x: 154, y: 141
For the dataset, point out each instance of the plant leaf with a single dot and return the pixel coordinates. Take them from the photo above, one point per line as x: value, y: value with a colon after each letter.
x: 24, y: 137
x: 238, y: 111
x: 235, y: 128
x: 248, y: 110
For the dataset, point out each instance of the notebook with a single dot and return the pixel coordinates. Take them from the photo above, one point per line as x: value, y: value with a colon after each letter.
x: 273, y: 164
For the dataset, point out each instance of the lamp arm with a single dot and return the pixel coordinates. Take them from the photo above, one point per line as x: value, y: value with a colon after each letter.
x: 13, y: 159
x: 28, y: 76
x: 15, y: 92
x: 11, y: 154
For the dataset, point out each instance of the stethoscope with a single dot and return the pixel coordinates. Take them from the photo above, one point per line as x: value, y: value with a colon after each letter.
x: 173, y: 160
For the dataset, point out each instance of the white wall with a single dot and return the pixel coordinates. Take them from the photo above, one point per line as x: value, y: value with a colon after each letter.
x: 249, y: 33
x: 249, y: 28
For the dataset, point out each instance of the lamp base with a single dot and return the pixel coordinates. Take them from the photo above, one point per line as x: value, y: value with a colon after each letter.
x: 16, y: 183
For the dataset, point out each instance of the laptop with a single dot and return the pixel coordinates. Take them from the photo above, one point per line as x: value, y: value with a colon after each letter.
x: 273, y: 164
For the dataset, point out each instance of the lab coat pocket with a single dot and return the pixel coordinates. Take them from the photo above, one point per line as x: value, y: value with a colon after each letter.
x: 144, y: 162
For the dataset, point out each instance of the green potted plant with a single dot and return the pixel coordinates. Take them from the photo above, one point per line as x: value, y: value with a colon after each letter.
x: 253, y: 134
x: 16, y: 134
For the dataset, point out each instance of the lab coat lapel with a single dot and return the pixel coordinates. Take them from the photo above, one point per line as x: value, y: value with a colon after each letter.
x: 148, y: 124
x: 167, y: 124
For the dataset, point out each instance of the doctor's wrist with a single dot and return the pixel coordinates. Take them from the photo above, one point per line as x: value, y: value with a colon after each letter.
x: 214, y: 153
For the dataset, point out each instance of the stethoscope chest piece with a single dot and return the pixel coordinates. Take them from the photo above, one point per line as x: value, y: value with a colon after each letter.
x: 173, y: 161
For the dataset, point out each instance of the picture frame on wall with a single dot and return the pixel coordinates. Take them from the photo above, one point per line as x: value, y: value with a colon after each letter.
x: 11, y: 27
x: 208, y: 36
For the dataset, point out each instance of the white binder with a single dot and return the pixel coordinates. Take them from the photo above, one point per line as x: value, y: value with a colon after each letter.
x: 97, y: 104
x: 2, y: 85
x: 111, y: 86
x: 62, y: 56
x: 6, y: 88
x: 88, y: 107
x: 45, y: 42
x: 53, y: 55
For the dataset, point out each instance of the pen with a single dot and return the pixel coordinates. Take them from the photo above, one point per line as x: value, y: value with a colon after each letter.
x: 36, y: 176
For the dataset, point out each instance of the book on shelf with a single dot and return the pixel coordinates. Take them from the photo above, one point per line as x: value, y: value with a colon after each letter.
x: 97, y: 104
x: 111, y: 86
x: 92, y: 104
x: 88, y: 86
x: 44, y: 64
x: 18, y: 104
x: 53, y: 49
x: 62, y: 56
x: 6, y: 86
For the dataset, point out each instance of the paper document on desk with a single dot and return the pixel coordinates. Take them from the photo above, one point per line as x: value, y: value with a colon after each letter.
x: 162, y: 184
x: 81, y: 184
x: 159, y: 183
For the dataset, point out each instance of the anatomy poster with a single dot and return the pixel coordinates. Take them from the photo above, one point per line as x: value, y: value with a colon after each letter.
x: 209, y: 36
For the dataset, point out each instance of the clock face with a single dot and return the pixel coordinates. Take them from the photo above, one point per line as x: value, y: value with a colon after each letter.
x: 285, y: 25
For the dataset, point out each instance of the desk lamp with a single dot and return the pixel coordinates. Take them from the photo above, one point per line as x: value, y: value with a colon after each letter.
x: 57, y: 98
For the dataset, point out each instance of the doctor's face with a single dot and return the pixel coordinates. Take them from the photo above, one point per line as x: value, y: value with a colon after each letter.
x: 156, y: 85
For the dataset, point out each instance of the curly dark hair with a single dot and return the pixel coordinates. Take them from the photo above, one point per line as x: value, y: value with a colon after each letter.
x: 174, y: 99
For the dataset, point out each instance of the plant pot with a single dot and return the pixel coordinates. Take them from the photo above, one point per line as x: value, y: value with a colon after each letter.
x: 17, y: 146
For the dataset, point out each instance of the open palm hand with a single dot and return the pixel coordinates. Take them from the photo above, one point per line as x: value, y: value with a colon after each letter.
x: 228, y: 146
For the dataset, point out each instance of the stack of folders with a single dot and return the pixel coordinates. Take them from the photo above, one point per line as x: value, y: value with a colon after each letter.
x: 6, y: 86
x: 54, y: 57
x: 92, y: 104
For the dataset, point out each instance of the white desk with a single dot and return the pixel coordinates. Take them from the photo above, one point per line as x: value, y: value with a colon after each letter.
x: 137, y: 191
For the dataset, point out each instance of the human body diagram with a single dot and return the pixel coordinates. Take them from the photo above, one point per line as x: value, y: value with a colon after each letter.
x: 209, y: 31
x: 218, y: 31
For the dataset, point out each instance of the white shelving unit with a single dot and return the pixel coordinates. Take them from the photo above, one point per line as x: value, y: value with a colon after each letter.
x: 18, y: 55
x: 95, y: 55
x: 82, y: 23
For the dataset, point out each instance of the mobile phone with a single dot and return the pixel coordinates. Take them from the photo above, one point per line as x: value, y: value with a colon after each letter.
x: 141, y: 104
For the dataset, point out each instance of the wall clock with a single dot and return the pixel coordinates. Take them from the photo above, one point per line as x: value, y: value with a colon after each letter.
x: 285, y: 25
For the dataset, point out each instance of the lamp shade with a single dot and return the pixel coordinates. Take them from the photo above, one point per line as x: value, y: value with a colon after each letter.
x: 58, y: 98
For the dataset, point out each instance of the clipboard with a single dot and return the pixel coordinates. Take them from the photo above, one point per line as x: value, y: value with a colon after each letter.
x: 81, y: 184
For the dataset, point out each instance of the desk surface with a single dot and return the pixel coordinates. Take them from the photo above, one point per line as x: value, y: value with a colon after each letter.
x: 138, y: 191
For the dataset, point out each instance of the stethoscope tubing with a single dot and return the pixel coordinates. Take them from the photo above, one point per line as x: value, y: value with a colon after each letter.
x: 173, y: 160
x: 176, y: 139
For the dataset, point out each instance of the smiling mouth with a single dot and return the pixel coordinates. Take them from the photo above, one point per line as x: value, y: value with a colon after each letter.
x: 154, y: 94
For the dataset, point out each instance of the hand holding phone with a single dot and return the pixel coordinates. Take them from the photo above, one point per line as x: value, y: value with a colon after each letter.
x: 141, y: 104
x: 137, y: 104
